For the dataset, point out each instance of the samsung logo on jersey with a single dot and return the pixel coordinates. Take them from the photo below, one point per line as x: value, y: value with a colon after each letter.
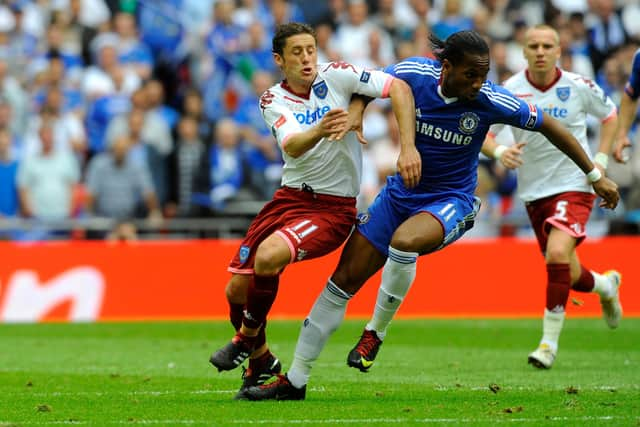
x: 556, y: 112
x: 310, y: 117
x: 443, y: 135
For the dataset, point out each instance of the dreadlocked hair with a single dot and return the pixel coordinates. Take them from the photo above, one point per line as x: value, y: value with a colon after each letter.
x: 457, y: 45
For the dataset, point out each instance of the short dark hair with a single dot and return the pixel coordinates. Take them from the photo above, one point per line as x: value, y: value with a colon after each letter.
x: 284, y: 31
x: 457, y: 45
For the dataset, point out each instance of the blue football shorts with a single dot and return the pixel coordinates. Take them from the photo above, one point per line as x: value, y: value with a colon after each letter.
x: 395, y: 204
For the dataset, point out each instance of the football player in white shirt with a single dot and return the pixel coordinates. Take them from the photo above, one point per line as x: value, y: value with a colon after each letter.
x: 558, y: 198
x: 314, y: 211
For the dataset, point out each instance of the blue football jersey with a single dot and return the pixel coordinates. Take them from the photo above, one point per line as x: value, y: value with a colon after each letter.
x: 449, y: 133
x: 632, y: 88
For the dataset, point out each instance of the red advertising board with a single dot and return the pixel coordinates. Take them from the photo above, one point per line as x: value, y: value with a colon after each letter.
x: 97, y: 281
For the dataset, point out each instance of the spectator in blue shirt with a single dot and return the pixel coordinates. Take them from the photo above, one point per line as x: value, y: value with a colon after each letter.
x: 156, y: 97
x: 56, y: 75
x: 132, y: 52
x: 258, y: 56
x: 225, y: 157
x: 161, y: 29
x: 225, y: 42
x: 56, y: 47
x: 452, y: 21
x: 8, y: 176
x: 99, y: 114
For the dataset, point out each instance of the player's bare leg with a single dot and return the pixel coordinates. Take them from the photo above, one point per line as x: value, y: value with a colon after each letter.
x: 418, y: 234
x: 271, y: 257
x: 325, y: 317
x: 262, y: 363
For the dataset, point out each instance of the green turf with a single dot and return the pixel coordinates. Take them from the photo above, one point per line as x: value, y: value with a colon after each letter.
x: 433, y: 372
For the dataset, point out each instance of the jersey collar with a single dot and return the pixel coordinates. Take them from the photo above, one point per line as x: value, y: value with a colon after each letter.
x: 547, y: 87
x: 306, y: 96
x: 446, y: 99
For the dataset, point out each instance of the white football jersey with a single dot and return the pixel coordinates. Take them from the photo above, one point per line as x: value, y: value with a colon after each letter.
x: 546, y: 170
x: 330, y: 167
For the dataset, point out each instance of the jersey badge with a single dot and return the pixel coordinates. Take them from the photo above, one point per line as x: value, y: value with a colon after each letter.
x: 468, y: 122
x: 563, y: 93
x: 364, y: 77
x: 244, y: 253
x: 320, y: 89
x: 363, y: 218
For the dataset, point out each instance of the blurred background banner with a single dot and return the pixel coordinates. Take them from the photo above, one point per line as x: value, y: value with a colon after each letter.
x: 161, y: 280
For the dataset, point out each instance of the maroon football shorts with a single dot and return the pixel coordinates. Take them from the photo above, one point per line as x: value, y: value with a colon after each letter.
x: 568, y: 212
x: 311, y: 224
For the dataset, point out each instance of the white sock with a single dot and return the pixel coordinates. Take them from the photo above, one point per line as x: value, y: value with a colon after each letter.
x: 551, y: 327
x: 397, y: 277
x: 602, y: 285
x: 326, y: 315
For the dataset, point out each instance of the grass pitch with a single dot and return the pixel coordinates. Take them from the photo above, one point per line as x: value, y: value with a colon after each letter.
x: 433, y: 372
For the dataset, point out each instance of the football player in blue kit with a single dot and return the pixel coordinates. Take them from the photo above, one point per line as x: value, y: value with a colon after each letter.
x: 455, y: 106
x: 628, y: 109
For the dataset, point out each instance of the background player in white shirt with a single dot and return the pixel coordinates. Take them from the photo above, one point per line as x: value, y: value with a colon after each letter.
x: 557, y: 196
x: 314, y: 211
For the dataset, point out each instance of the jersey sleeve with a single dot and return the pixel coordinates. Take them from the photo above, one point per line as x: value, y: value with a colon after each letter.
x: 512, y: 110
x: 413, y: 70
x: 596, y: 102
x: 278, y: 117
x: 632, y: 88
x: 354, y: 79
x: 389, y: 69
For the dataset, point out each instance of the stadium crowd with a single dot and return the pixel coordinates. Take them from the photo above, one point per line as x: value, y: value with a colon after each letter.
x: 129, y: 109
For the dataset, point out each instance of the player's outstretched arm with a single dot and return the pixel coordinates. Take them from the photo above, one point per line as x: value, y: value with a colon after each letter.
x: 607, y: 137
x: 628, y: 108
x: 561, y: 138
x: 403, y: 104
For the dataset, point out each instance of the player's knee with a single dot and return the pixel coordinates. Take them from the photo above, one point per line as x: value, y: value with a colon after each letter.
x: 409, y: 243
x: 556, y: 255
x: 345, y: 280
x: 236, y: 291
x: 270, y: 258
